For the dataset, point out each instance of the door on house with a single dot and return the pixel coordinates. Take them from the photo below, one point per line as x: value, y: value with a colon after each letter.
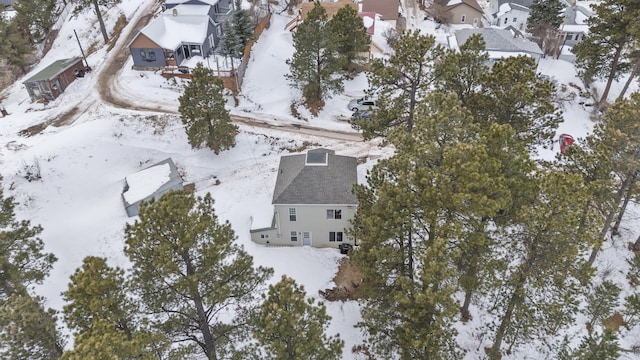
x: 306, y: 238
x: 475, y: 22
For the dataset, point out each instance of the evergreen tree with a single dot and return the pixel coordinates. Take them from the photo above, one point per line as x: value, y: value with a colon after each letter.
x: 14, y: 45
x: 202, y: 110
x: 22, y: 259
x: 349, y: 36
x: 414, y: 214
x: 600, y: 343
x: 462, y: 71
x: 543, y: 266
x: 513, y: 94
x: 103, y: 316
x: 27, y: 330
x: 545, y: 18
x: 190, y: 273
x: 400, y: 83
x: 287, y: 326
x: 315, y: 63
x: 601, y: 53
x: 609, y: 162
x: 238, y: 32
x: 82, y: 5
x: 36, y: 17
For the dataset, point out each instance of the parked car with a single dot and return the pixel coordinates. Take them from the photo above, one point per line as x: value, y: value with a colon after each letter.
x: 360, y: 115
x: 361, y: 104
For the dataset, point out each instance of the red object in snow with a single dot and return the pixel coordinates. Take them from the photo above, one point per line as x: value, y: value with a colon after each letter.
x: 565, y: 140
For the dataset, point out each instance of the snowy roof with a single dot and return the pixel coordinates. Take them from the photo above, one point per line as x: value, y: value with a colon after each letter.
x: 189, y: 24
x: 369, y: 21
x: 523, y: 3
x: 147, y: 182
x: 575, y: 28
x: 204, y: 2
x: 302, y: 180
x: 499, y: 40
x: 471, y: 3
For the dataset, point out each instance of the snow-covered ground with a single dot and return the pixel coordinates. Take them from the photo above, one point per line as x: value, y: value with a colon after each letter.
x: 83, y: 164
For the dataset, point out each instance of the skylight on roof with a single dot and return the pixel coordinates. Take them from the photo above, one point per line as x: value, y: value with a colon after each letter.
x: 316, y: 159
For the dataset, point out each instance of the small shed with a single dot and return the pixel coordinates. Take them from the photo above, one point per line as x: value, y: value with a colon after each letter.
x: 51, y: 81
x: 150, y: 183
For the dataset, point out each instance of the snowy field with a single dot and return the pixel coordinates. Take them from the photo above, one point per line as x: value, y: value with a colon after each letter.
x: 83, y: 163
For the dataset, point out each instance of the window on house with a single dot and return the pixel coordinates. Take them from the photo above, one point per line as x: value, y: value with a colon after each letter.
x: 292, y: 214
x: 263, y: 236
x: 335, y: 236
x: 170, y: 55
x: 569, y: 37
x: 463, y: 18
x: 334, y: 214
x: 294, y: 236
x: 219, y: 31
x: 515, y: 19
x: 148, y: 55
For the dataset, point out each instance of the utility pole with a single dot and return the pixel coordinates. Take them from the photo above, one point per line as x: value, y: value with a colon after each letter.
x: 82, y: 51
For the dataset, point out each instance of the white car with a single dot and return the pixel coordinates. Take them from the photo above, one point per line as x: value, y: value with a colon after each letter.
x: 361, y: 104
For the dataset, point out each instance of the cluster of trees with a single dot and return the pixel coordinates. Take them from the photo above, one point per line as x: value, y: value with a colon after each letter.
x: 191, y: 292
x: 325, y: 51
x: 610, y: 49
x: 238, y: 31
x: 463, y: 215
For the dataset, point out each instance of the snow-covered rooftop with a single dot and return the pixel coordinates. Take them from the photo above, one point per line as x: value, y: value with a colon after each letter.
x: 145, y: 182
x: 190, y: 24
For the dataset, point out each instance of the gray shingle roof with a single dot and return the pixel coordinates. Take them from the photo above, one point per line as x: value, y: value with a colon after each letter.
x: 299, y: 183
x: 499, y: 40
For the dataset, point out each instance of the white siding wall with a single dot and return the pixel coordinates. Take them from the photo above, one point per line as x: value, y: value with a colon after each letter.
x: 520, y: 17
x: 311, y: 219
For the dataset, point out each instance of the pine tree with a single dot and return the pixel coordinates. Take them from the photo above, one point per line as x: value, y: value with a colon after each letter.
x: 103, y: 316
x: 600, y: 343
x: 237, y: 32
x: 349, y: 36
x: 82, y: 5
x: 22, y: 259
x: 35, y: 17
x: 612, y: 31
x: 462, y: 71
x: 315, y: 63
x: 545, y: 18
x: 535, y: 292
x: 410, y: 215
x: 609, y: 162
x: 513, y: 94
x: 190, y: 273
x: 289, y: 326
x: 400, y: 83
x: 14, y: 45
x: 202, y: 110
x: 27, y: 330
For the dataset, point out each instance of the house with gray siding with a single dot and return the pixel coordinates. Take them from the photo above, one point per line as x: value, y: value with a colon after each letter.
x: 180, y: 33
x: 313, y: 201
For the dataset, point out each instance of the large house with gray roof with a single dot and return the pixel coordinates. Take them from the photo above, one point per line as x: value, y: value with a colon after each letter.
x: 499, y: 43
x: 313, y: 201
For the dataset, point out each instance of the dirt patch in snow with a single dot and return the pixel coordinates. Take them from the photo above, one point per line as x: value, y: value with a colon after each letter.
x: 348, y: 280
